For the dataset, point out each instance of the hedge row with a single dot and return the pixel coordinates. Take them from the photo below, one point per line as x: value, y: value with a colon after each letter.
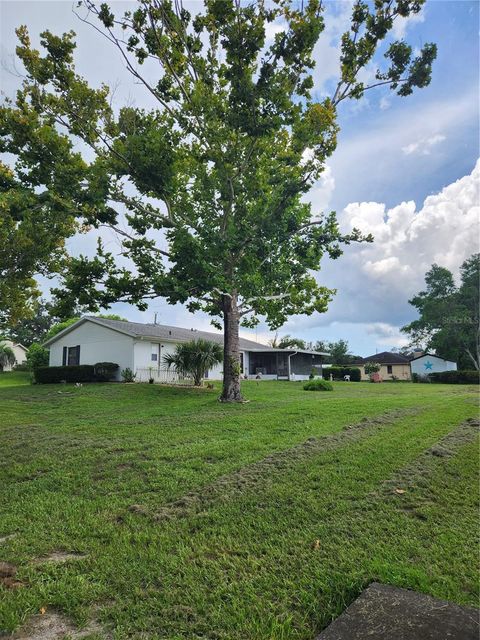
x: 100, y: 372
x: 338, y: 373
x: 456, y: 377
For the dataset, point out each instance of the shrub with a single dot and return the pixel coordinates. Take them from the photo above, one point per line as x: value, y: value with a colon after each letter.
x: 339, y: 372
x: 128, y: 375
x: 372, y: 367
x: 105, y: 371
x: 318, y: 385
x: 70, y: 373
x: 192, y: 359
x: 455, y: 377
x: 22, y: 366
x: 37, y: 356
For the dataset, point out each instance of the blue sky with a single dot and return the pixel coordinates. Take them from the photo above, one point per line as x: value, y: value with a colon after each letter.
x: 402, y: 170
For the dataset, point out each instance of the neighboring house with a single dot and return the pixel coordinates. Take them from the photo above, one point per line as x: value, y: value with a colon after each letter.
x: 18, y: 349
x: 430, y: 363
x: 393, y: 365
x: 141, y: 348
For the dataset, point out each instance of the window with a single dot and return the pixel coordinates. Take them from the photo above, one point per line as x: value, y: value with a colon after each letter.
x: 64, y: 356
x: 241, y: 362
x: 154, y: 357
x: 74, y: 355
x: 389, y: 368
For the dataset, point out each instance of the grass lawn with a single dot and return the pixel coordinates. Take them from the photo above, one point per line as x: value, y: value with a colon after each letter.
x: 194, y: 519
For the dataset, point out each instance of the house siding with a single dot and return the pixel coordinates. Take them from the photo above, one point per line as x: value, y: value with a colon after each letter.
x: 97, y: 344
x: 400, y: 371
x: 18, y: 351
x: 437, y: 365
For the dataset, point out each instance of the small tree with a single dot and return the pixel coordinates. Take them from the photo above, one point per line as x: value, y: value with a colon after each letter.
x: 37, y: 356
x: 194, y: 358
x: 7, y: 357
x: 372, y: 367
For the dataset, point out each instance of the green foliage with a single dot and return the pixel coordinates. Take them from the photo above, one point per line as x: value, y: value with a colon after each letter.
x: 105, y: 371
x: 318, y: 385
x: 60, y: 326
x: 449, y: 321
x: 21, y: 366
x: 33, y: 328
x: 128, y: 375
x: 7, y: 356
x: 287, y: 342
x: 70, y: 373
x: 455, y: 377
x: 195, y: 358
x: 37, y: 356
x: 372, y: 367
x: 338, y: 373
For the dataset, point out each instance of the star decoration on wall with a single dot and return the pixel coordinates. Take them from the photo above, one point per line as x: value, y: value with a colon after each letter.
x: 428, y: 364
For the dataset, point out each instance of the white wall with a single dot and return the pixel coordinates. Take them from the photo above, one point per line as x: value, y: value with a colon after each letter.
x: 97, y: 344
x: 420, y: 367
x: 19, y: 352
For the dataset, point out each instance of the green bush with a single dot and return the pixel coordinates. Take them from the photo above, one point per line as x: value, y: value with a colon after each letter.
x: 318, y: 385
x: 339, y: 372
x: 455, y: 377
x: 22, y: 366
x: 105, y: 371
x: 70, y: 373
x: 128, y: 375
x: 37, y: 356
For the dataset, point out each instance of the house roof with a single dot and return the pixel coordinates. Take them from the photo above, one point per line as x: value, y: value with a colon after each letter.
x: 10, y: 343
x: 430, y: 355
x: 170, y: 333
x: 385, y: 357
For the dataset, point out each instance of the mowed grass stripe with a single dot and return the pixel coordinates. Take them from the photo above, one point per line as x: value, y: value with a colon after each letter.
x: 244, y: 566
x: 253, y: 555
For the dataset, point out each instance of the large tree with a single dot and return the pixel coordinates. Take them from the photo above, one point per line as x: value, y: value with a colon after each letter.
x: 449, y: 320
x: 207, y: 191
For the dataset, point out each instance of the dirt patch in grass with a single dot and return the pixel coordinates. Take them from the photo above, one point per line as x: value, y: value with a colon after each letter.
x: 54, y: 626
x: 8, y: 537
x: 60, y: 557
x: 403, y: 484
x: 266, y: 469
x: 8, y: 572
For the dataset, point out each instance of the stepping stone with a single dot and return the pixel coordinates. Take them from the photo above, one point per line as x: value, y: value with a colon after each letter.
x: 383, y: 612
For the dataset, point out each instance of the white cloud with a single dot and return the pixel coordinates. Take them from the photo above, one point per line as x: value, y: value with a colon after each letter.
x: 321, y: 194
x: 401, y: 25
x: 385, y: 103
x: 423, y: 146
x: 407, y: 242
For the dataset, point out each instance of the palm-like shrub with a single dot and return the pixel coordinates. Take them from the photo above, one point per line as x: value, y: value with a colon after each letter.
x: 7, y: 357
x: 194, y: 358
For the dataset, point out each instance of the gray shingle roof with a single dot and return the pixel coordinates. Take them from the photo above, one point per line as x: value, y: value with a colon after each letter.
x: 387, y: 357
x: 167, y: 332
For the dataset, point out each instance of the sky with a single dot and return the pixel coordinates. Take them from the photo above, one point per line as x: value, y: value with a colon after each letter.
x: 405, y: 170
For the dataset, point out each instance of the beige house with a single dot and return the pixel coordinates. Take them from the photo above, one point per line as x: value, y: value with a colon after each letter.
x: 392, y: 366
x: 18, y: 349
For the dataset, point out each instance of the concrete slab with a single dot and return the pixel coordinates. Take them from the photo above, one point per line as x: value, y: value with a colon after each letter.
x: 383, y: 612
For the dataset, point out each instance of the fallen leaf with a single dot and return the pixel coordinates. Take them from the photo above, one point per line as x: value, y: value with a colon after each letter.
x: 316, y: 544
x: 43, y: 610
x: 400, y: 491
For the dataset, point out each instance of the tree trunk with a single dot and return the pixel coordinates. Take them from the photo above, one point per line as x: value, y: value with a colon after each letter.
x: 231, y: 353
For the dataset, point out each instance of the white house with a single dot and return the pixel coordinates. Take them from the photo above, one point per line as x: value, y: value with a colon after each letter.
x: 18, y: 349
x: 141, y: 347
x: 430, y: 363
